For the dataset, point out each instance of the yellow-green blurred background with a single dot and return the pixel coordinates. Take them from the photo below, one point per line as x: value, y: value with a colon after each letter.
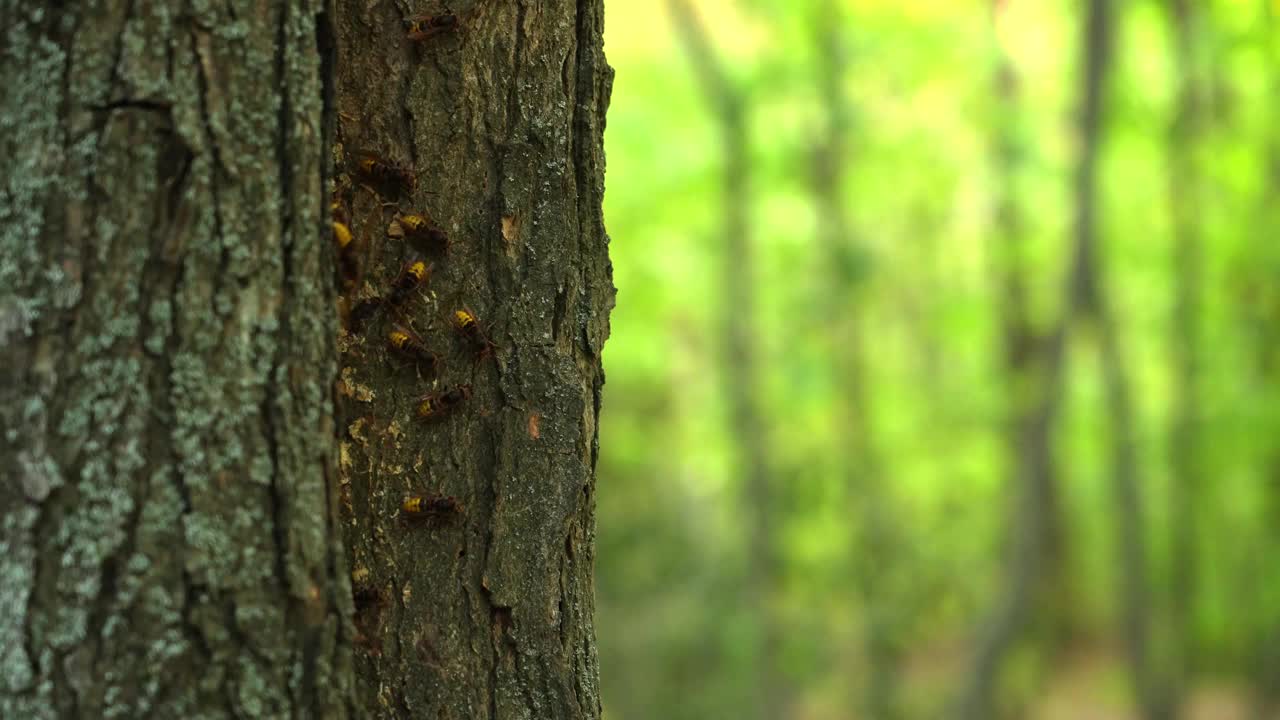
x: 834, y: 517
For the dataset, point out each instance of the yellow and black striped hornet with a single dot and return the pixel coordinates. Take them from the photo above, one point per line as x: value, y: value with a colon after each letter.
x: 341, y: 236
x: 409, y: 346
x: 348, y: 250
x: 419, y: 230
x: 430, y: 504
x: 465, y: 322
x: 386, y: 174
x: 414, y: 274
x: 348, y: 263
x: 429, y: 509
x: 422, y: 27
x: 438, y: 405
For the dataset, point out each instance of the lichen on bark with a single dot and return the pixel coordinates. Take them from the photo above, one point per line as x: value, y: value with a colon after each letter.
x: 166, y: 339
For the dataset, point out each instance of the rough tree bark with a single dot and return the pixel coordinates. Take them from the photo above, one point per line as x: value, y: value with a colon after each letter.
x: 487, y: 611
x: 168, y: 547
x: 170, y: 528
x: 862, y: 462
x: 729, y: 106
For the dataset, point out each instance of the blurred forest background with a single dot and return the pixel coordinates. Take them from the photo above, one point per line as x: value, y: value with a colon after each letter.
x: 944, y: 375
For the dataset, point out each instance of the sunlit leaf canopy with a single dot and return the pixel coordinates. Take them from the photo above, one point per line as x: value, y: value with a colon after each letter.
x: 680, y: 635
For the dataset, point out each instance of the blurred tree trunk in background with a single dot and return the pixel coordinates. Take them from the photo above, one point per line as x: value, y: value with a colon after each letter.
x: 1096, y: 306
x: 1185, y: 137
x: 1034, y: 365
x: 728, y: 106
x: 863, y: 467
x: 1084, y: 299
x: 169, y: 546
x: 1262, y: 307
x: 485, y: 611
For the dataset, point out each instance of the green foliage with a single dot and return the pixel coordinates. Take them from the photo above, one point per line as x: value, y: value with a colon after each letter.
x: 677, y: 634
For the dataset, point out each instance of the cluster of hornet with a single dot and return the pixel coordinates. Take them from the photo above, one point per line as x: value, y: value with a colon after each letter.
x: 428, y: 245
x: 389, y: 305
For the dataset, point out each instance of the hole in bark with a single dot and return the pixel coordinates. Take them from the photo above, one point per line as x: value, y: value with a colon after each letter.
x: 369, y: 604
x: 501, y: 619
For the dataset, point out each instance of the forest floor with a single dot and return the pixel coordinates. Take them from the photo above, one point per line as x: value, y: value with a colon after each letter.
x: 1093, y: 685
x: 1090, y: 682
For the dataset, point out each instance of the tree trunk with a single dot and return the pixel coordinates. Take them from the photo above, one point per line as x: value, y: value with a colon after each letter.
x: 729, y: 106
x: 863, y: 465
x: 1266, y: 338
x: 1035, y: 366
x: 483, y: 608
x: 167, y: 332
x: 1184, y: 429
x: 169, y: 547
x: 1131, y: 594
